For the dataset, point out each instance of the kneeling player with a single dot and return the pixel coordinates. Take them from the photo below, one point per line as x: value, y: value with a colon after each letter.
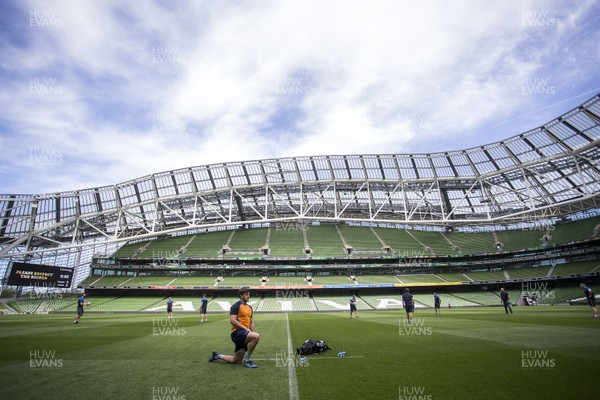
x: 242, y: 332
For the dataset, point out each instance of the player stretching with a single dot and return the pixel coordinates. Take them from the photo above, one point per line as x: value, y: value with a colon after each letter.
x: 437, y: 302
x: 242, y: 332
x: 409, y: 305
x: 352, y: 302
x: 505, y: 299
x: 591, y: 298
x: 204, y: 305
x: 169, y: 308
x: 80, y: 304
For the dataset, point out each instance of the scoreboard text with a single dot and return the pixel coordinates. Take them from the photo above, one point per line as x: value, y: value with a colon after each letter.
x: 25, y: 274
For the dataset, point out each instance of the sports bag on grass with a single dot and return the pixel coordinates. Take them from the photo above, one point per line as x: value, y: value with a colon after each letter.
x: 312, y: 347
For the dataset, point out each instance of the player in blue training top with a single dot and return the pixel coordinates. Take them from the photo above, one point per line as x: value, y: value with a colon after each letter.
x: 242, y: 332
x: 169, y: 308
x: 80, y: 304
x: 203, y: 306
x: 437, y: 301
x: 409, y: 305
x: 352, y: 303
x: 591, y: 298
x: 505, y: 299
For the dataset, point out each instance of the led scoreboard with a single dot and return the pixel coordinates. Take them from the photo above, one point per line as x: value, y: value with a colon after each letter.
x: 25, y: 274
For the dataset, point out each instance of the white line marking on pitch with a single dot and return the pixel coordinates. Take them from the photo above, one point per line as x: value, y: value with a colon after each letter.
x: 293, y: 381
x: 310, y: 359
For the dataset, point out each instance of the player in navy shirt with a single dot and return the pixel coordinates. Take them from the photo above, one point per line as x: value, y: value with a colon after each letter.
x: 591, y: 298
x: 169, y: 308
x: 437, y: 301
x: 203, y: 306
x: 80, y: 304
x: 409, y: 305
x: 505, y: 299
x: 352, y: 303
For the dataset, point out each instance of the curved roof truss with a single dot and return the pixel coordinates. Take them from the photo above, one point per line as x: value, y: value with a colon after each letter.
x: 549, y: 171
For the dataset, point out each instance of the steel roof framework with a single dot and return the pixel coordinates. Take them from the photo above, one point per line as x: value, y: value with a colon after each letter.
x: 547, y: 172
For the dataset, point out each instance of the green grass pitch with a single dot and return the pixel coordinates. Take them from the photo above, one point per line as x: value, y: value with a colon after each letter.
x: 537, y: 353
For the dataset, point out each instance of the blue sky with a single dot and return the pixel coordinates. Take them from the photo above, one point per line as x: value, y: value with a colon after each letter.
x: 95, y: 93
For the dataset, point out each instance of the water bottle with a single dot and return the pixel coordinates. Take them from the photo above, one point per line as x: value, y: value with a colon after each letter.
x: 303, y: 360
x: 342, y: 354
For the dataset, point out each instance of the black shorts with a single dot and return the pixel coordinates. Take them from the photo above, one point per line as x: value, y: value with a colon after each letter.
x: 410, y: 308
x: 169, y: 310
x: 437, y: 305
x: 592, y: 301
x: 352, y: 307
x: 79, y: 310
x: 203, y: 310
x: 239, y: 338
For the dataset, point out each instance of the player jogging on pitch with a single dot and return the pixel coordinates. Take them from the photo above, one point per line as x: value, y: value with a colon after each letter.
x: 169, y: 308
x: 409, y: 305
x: 242, y: 332
x: 505, y: 299
x: 437, y: 301
x: 352, y: 303
x: 591, y: 298
x: 203, y: 307
x: 80, y: 304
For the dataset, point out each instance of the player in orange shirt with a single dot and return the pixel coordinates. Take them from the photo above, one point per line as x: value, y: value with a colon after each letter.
x: 242, y: 332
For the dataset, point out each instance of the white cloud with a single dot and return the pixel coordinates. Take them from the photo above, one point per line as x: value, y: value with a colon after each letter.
x: 151, y: 86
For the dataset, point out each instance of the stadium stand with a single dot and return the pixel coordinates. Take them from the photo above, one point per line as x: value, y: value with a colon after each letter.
x: 484, y: 298
x: 324, y: 241
x: 529, y: 272
x: 374, y: 279
x: 569, y: 231
x: 156, y: 280
x: 362, y: 240
x: 248, y: 241
x: 334, y: 303
x: 456, y: 300
x: 187, y: 281
x: 222, y: 304
x: 583, y: 267
x: 171, y: 248
x: 520, y: 239
x: 287, y: 240
x: 402, y: 243
x: 435, y: 241
x: 484, y: 276
x: 208, y: 245
x: 25, y: 306
x: 380, y: 301
x: 288, y: 302
x: 124, y: 304
x: 453, y: 277
x: 61, y: 303
x: 108, y: 281
x: 420, y: 278
x: 286, y: 281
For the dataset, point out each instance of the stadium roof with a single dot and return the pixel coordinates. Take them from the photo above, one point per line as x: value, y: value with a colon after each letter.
x: 550, y: 171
